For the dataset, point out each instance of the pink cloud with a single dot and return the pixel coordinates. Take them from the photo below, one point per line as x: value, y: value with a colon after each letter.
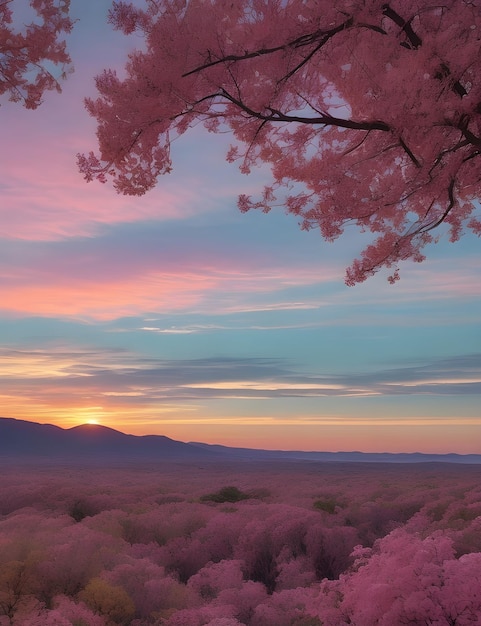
x: 47, y: 200
x: 70, y: 288
x: 113, y: 277
x: 45, y: 197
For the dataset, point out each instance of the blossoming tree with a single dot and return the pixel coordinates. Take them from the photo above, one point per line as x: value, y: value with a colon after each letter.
x: 28, y: 54
x: 367, y: 112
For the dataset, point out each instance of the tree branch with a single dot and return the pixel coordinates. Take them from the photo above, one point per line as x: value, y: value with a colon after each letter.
x: 415, y: 42
x: 440, y: 220
x: 405, y: 26
x: 303, y: 40
x: 409, y: 152
x: 471, y: 137
x: 323, y: 120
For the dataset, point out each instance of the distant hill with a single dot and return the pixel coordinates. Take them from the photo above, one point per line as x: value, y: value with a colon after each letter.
x: 345, y: 457
x: 20, y: 439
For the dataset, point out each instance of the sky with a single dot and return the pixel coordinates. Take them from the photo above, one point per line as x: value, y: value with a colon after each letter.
x: 175, y: 314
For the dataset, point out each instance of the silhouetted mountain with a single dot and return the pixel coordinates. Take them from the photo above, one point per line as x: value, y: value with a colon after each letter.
x: 19, y: 438
x: 345, y: 457
x: 23, y: 439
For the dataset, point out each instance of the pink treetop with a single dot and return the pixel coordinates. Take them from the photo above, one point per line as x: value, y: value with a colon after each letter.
x: 65, y: 613
x: 368, y: 113
x: 404, y: 580
x: 26, y: 55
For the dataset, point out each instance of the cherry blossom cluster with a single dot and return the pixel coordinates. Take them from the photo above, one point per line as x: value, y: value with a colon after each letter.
x: 367, y: 113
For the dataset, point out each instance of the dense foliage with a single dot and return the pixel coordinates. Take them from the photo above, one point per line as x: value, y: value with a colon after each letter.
x: 367, y: 112
x: 291, y: 545
x: 29, y: 53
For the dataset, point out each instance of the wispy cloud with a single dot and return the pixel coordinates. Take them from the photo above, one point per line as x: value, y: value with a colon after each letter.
x: 428, y: 281
x: 114, y: 374
x: 44, y: 197
x: 115, y: 276
x: 122, y: 274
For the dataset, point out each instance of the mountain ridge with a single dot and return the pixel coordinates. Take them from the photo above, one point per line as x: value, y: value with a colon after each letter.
x: 346, y: 456
x: 26, y: 439
x: 22, y: 438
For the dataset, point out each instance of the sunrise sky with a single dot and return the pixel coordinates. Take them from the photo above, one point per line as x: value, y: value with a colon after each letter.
x: 175, y: 314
